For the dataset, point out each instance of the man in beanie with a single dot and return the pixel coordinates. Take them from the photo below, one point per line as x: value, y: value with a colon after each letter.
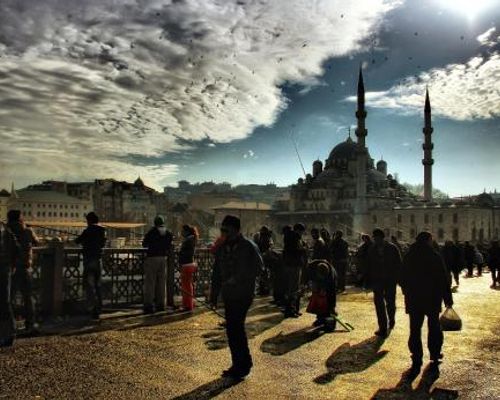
x: 236, y: 267
x: 22, y: 279
x: 158, y: 242
x: 92, y: 239
x: 426, y: 284
x: 9, y: 249
x: 383, y: 269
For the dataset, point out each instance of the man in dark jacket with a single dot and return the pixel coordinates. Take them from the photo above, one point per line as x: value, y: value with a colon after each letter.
x: 362, y: 260
x: 92, y: 239
x: 22, y: 279
x: 340, y: 258
x: 295, y: 261
x: 494, y: 262
x: 9, y: 250
x: 426, y: 284
x: 158, y: 242
x: 237, y: 263
x: 451, y: 257
x: 384, y: 266
x: 319, y: 248
x: 469, y: 251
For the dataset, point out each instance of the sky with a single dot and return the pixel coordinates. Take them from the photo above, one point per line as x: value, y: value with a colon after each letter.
x: 221, y: 89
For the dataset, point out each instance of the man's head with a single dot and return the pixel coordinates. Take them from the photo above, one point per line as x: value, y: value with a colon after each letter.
x: 339, y: 234
x: 365, y: 238
x: 378, y: 236
x: 13, y: 216
x: 424, y: 238
x: 265, y: 231
x: 230, y: 227
x: 286, y: 229
x: 92, y: 218
x: 159, y: 221
x: 324, y: 233
x: 315, y: 233
x: 299, y: 228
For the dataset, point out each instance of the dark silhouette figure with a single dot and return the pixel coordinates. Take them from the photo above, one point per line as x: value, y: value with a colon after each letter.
x: 325, y: 235
x: 349, y: 358
x: 452, y: 259
x: 340, y: 258
x: 9, y: 250
x: 362, y: 260
x: 295, y: 260
x: 469, y: 258
x: 22, y: 279
x: 188, y: 265
x: 237, y: 264
x: 425, y: 283
x: 320, y: 250
x: 264, y: 241
x: 384, y: 266
x: 92, y: 239
x: 494, y: 263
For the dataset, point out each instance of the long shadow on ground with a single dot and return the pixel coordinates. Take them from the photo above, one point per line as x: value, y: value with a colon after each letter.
x: 424, y: 391
x: 217, y: 340
x: 281, y: 344
x: 349, y: 358
x: 209, y: 390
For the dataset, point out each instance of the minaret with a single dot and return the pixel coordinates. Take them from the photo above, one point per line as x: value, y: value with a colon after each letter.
x: 361, y: 131
x: 428, y: 146
x: 361, y: 208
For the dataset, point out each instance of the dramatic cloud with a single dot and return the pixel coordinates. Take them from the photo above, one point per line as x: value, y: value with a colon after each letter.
x: 86, y: 87
x: 458, y: 91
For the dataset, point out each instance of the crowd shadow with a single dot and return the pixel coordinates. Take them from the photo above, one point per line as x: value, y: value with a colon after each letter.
x: 217, y: 339
x: 349, y: 358
x: 209, y: 390
x: 423, y: 391
x: 281, y: 344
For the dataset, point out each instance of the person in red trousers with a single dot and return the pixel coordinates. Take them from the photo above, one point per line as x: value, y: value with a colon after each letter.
x: 188, y: 266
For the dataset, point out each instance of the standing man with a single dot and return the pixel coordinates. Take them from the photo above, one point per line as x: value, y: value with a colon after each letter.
x: 320, y: 250
x: 92, y: 239
x: 494, y: 263
x: 451, y: 258
x: 22, y: 279
x: 9, y: 250
x: 264, y: 241
x: 469, y: 258
x: 237, y: 264
x: 158, y: 242
x: 340, y: 258
x: 295, y: 260
x: 384, y: 267
x: 426, y: 284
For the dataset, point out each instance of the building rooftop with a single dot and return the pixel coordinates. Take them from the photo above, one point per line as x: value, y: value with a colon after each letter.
x: 47, y: 196
x: 243, y: 205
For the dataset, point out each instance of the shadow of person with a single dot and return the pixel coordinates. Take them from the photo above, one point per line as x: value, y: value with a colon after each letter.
x: 356, y: 358
x: 282, y: 344
x: 209, y: 390
x: 423, y: 391
x: 217, y: 340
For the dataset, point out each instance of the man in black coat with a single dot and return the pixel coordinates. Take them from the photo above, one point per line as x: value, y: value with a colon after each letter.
x: 237, y: 264
x: 9, y: 250
x: 426, y: 284
x: 339, y: 250
x: 383, y: 268
x: 92, y: 239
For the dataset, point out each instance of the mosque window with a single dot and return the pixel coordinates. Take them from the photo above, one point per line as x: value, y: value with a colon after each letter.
x: 455, y: 218
x: 426, y: 218
x: 400, y: 218
x: 412, y: 233
x: 455, y: 234
x: 440, y: 218
x: 400, y: 235
x: 440, y: 233
x: 474, y: 233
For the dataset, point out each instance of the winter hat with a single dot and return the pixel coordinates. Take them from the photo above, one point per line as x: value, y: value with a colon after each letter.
x: 159, y: 220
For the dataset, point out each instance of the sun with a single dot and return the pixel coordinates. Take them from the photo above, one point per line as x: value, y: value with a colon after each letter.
x: 469, y: 8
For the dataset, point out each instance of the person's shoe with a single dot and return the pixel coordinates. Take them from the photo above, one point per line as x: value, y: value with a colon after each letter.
x: 8, y: 342
x: 382, y: 333
x: 414, y: 371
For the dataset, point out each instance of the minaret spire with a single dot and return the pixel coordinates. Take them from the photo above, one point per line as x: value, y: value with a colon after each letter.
x: 428, y: 146
x: 361, y: 131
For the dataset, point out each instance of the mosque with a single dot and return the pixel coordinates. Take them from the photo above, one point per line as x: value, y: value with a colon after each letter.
x: 351, y: 193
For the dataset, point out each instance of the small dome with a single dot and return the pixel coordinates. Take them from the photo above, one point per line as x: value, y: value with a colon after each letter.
x: 376, y: 176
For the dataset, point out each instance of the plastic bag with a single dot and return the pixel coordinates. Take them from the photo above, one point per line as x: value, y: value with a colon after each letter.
x: 450, y: 321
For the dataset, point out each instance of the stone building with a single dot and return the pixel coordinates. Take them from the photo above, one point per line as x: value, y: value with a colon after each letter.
x: 253, y: 216
x: 4, y: 204
x: 350, y: 192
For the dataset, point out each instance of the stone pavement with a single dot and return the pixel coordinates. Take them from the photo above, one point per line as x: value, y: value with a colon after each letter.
x: 181, y: 356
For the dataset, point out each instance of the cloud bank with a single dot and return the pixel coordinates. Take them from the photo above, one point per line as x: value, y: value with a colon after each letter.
x: 466, y: 91
x: 87, y: 86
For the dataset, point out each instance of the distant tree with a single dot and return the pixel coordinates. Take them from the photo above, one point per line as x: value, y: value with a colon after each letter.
x: 418, y: 190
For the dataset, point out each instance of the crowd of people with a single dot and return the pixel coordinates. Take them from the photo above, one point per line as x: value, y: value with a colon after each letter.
x: 243, y: 268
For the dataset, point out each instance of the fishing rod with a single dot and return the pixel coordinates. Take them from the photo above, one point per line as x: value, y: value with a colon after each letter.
x: 203, y: 303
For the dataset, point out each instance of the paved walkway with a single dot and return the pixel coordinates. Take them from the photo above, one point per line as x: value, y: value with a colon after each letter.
x: 181, y: 356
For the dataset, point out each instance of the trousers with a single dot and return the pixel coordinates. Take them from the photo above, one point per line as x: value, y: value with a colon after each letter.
x: 187, y: 271
x: 434, y: 336
x: 384, y: 298
x: 293, y: 276
x: 92, y: 284
x: 7, y: 322
x: 155, y: 269
x: 236, y: 312
x: 22, y: 281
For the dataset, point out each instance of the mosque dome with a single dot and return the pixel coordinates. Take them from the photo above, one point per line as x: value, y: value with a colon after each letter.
x: 344, y: 150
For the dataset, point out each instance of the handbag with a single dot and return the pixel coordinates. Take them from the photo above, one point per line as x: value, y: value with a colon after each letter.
x: 450, y: 321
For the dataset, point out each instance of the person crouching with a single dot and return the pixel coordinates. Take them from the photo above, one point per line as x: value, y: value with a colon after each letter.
x: 323, y: 300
